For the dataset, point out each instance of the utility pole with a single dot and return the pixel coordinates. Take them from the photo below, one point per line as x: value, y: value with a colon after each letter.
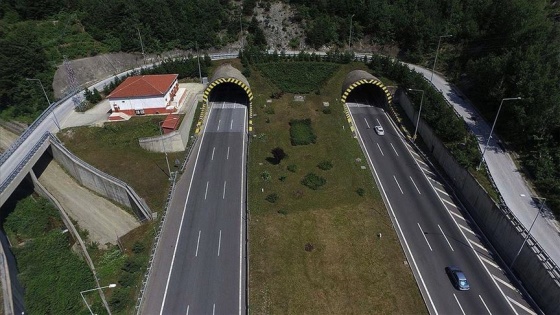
x: 350, y: 38
x: 141, y: 45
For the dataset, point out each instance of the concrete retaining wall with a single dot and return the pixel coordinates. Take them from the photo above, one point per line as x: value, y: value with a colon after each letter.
x: 103, y: 184
x: 532, y: 267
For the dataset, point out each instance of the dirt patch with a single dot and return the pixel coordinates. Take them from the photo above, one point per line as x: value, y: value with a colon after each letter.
x: 102, y: 219
x: 6, y: 139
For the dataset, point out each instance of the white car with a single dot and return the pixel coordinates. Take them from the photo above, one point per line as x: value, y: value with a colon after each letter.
x: 379, y: 130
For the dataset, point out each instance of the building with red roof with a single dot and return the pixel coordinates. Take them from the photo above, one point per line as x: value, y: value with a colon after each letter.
x: 146, y: 94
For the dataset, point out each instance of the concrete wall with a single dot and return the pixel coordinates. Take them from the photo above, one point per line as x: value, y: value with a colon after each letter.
x: 535, y: 270
x: 103, y: 184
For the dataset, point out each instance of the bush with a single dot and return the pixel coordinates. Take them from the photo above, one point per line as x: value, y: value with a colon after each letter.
x: 325, y: 165
x: 327, y: 110
x: 292, y: 168
x: 272, y: 198
x: 265, y: 176
x: 301, y: 132
x: 313, y: 181
x: 360, y: 191
x: 138, y: 247
x: 282, y: 178
x: 283, y: 211
x: 278, y: 155
x: 299, y: 76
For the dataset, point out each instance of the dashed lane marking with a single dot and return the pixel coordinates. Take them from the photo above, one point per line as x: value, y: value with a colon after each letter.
x: 456, y: 299
x: 485, y: 304
x: 526, y: 309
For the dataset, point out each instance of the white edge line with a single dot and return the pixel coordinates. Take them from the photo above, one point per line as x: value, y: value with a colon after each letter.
x: 241, y: 208
x: 183, y: 217
x: 395, y: 217
x: 446, y: 238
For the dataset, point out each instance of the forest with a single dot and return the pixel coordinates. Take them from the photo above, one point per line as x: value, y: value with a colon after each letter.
x: 491, y: 49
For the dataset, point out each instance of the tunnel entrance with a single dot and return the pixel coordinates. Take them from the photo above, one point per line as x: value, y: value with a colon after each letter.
x: 228, y: 85
x: 228, y: 92
x: 362, y: 87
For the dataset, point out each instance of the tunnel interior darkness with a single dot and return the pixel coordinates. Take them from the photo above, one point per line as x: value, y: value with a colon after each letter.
x: 228, y: 92
x: 367, y: 94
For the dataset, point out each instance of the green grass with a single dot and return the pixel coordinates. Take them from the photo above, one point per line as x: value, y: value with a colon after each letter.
x: 301, y: 132
x: 298, y: 77
x: 118, y: 153
x: 349, y: 270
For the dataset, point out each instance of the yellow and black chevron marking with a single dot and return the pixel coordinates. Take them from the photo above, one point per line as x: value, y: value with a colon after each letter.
x: 219, y: 81
x: 366, y: 81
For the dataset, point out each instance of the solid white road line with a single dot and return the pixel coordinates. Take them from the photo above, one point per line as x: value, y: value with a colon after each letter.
x: 505, y: 283
x: 366, y: 123
x: 227, y: 155
x: 446, y: 238
x: 231, y: 125
x: 398, y: 184
x: 224, y: 193
x: 396, y: 219
x: 415, y: 185
x: 528, y: 310
x: 197, y: 243
x: 394, y: 150
x: 183, y: 217
x: 218, y: 129
x: 206, y: 192
x: 219, y: 243
x: 485, y: 305
x: 456, y: 299
x: 212, y: 158
x: 380, y: 149
x: 241, y: 209
x: 188, y: 306
x: 423, y: 234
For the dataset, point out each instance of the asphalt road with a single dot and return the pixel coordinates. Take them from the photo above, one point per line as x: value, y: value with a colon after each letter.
x: 509, y: 180
x: 434, y: 231
x: 201, y: 255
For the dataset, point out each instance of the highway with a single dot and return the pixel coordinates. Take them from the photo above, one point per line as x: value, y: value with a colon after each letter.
x: 201, y: 256
x: 434, y: 231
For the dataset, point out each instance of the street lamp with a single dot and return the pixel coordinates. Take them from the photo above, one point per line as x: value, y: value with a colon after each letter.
x: 48, y: 101
x: 112, y: 285
x: 437, y: 50
x: 198, y: 60
x: 419, y: 112
x: 529, y: 231
x: 492, y: 129
x: 350, y: 38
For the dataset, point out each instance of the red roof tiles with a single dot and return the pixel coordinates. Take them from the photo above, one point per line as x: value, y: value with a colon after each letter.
x: 145, y: 85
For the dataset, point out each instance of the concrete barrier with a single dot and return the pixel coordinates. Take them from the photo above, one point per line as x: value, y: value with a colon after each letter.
x: 538, y: 274
x: 102, y: 183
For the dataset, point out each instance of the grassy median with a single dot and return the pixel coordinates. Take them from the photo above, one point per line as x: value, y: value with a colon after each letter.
x: 316, y: 250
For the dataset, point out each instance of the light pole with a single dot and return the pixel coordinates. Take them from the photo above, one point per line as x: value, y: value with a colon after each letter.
x: 164, y: 151
x: 112, y: 285
x: 241, y: 27
x: 198, y: 60
x: 492, y: 129
x: 419, y: 112
x: 529, y: 231
x: 350, y: 37
x: 141, y: 45
x: 48, y: 101
x: 437, y: 50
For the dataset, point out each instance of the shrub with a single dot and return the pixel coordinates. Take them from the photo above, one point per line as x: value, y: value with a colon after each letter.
x: 272, y: 198
x: 292, y: 168
x: 360, y: 191
x: 269, y: 110
x: 283, y: 211
x: 327, y: 110
x: 278, y: 155
x: 138, y: 247
x: 265, y: 176
x: 301, y: 132
x: 325, y: 165
x: 282, y: 178
x: 313, y: 181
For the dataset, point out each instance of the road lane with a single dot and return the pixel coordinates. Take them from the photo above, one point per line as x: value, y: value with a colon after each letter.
x: 426, y: 223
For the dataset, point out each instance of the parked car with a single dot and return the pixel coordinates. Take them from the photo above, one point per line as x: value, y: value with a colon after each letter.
x: 457, y: 277
x: 379, y: 130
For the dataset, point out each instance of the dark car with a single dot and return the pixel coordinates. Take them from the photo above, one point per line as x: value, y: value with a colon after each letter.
x: 457, y: 277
